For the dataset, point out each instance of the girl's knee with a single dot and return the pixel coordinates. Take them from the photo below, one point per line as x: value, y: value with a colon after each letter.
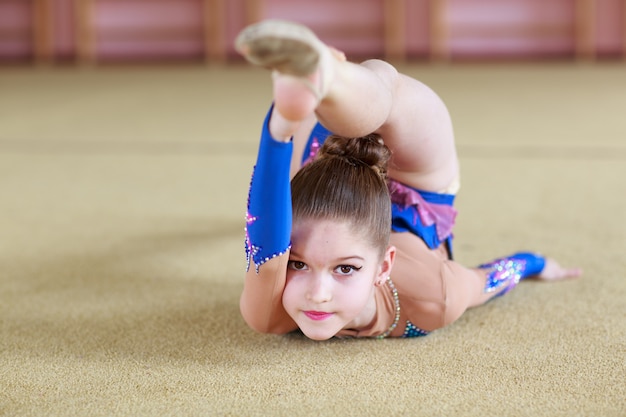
x: 383, y: 69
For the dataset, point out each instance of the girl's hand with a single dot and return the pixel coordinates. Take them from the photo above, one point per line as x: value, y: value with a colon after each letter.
x: 552, y: 271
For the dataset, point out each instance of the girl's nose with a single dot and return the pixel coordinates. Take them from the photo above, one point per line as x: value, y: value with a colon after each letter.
x: 320, y: 289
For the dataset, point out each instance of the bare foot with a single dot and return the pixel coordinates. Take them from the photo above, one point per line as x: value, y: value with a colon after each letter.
x: 552, y: 271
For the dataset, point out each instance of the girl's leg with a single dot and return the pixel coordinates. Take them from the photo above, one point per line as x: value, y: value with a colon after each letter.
x: 446, y: 288
x: 354, y: 100
x: 411, y: 118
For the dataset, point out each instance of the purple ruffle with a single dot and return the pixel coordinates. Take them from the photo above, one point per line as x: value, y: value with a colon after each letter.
x: 441, y: 215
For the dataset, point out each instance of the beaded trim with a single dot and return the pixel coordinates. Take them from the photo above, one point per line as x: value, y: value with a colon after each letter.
x: 411, y: 330
x: 253, y: 250
x: 396, y: 302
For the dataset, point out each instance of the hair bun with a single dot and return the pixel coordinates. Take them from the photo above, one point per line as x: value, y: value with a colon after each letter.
x: 369, y: 150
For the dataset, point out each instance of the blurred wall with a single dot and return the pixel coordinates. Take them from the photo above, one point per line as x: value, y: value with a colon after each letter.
x: 114, y: 30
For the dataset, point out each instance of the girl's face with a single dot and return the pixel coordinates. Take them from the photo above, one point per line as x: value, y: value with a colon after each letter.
x: 331, y: 277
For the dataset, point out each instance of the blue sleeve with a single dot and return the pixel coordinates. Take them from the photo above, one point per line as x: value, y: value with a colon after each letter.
x: 534, y: 263
x: 505, y: 273
x: 268, y: 219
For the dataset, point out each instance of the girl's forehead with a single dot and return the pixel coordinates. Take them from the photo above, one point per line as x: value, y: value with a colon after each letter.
x: 328, y: 237
x: 316, y: 227
x: 346, y: 228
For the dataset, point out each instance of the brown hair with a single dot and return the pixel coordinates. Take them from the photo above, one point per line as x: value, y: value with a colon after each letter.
x: 347, y: 182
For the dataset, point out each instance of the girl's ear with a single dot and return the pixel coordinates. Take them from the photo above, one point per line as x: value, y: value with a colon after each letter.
x: 386, y: 265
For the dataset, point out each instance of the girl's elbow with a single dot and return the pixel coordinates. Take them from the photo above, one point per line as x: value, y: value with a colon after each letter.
x: 260, y: 322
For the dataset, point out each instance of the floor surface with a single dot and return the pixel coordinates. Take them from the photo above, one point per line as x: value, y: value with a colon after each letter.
x: 122, y: 201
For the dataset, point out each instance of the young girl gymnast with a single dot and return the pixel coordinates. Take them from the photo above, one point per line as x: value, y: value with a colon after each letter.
x: 359, y: 243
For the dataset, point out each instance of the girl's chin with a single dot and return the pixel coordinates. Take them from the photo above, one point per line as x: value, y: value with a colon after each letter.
x: 318, y: 336
x: 317, y: 333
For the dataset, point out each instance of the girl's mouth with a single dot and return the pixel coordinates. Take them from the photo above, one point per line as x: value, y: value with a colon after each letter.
x: 317, y: 315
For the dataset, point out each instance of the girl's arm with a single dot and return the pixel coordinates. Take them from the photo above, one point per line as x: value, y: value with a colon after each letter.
x: 268, y: 233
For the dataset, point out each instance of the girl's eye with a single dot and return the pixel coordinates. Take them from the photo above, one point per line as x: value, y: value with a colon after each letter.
x: 296, y: 265
x: 346, y: 269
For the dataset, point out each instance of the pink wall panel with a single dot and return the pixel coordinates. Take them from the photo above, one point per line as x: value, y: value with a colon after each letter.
x: 511, y: 28
x: 138, y: 29
x: 127, y: 29
x: 15, y: 29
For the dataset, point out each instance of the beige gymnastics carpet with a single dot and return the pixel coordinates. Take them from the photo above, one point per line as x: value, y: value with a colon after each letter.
x: 122, y: 198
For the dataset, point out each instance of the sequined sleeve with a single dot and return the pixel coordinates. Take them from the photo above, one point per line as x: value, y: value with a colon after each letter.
x: 505, y: 273
x: 268, y: 218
